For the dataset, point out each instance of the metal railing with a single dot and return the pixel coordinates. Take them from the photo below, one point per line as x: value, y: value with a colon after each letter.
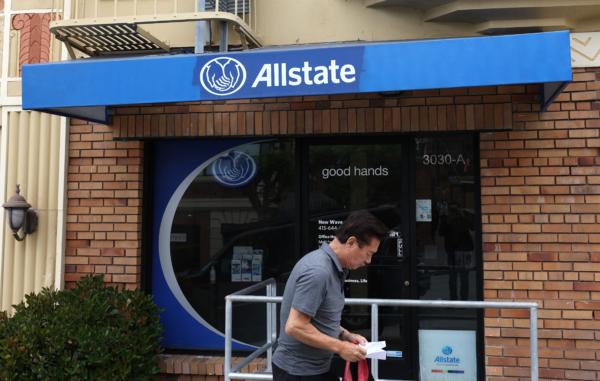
x: 82, y: 9
x: 271, y: 299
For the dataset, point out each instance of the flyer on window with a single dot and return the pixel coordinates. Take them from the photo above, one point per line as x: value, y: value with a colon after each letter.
x: 238, y: 266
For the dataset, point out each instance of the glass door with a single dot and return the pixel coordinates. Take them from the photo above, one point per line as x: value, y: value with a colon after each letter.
x: 345, y: 177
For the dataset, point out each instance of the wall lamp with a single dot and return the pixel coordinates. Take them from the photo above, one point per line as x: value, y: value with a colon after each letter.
x: 20, y: 215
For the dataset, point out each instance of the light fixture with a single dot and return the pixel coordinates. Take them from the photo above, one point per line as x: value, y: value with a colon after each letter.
x: 20, y: 215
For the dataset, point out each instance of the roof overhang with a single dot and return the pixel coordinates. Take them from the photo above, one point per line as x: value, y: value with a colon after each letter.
x: 87, y: 89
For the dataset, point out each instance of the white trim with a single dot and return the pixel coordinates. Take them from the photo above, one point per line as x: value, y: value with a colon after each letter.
x: 61, y: 233
x: 3, y: 168
x: 5, y: 50
x: 36, y: 10
x: 61, y: 216
x: 10, y: 101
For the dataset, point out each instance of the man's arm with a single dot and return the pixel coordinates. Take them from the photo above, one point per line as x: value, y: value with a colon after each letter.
x: 298, y: 326
x: 351, y: 337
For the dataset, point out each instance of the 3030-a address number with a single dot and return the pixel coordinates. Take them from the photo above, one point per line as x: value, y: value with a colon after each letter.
x: 443, y: 159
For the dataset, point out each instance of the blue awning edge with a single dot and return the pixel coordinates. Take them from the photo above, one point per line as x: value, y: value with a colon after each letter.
x: 88, y: 88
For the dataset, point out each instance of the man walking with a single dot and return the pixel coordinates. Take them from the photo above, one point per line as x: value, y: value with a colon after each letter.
x: 313, y: 300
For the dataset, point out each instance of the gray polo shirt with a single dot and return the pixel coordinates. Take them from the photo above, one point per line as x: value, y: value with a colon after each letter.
x: 316, y: 288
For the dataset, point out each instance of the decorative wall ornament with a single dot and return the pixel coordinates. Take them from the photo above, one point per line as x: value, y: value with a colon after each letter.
x: 34, y: 42
x: 585, y: 49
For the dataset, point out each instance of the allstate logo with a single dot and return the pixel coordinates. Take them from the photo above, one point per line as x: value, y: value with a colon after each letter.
x: 234, y: 169
x: 223, y: 76
x: 447, y: 350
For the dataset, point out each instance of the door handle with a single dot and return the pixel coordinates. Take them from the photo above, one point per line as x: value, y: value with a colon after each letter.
x: 406, y: 283
x: 399, y: 244
x: 400, y: 247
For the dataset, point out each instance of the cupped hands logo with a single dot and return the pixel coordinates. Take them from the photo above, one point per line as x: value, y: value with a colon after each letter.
x: 223, y: 76
x: 447, y: 350
x: 235, y: 169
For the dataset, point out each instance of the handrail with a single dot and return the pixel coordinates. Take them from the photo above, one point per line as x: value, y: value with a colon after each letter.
x: 271, y: 290
x: 271, y: 299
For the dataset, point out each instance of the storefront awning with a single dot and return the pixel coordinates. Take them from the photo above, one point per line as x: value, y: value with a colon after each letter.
x: 87, y: 89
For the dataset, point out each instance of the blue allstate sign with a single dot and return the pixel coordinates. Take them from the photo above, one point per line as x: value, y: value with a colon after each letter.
x: 235, y: 169
x: 85, y: 87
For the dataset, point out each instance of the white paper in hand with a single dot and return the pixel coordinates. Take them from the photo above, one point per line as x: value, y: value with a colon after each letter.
x: 375, y: 350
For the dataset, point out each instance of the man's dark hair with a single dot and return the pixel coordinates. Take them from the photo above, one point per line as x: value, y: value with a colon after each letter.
x: 362, y: 225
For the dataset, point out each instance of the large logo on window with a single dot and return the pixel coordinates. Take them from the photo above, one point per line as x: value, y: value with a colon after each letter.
x: 223, y: 76
x: 235, y: 169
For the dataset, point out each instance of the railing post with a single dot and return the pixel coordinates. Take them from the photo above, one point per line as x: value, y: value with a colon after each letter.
x: 375, y: 337
x: 533, y: 342
x: 228, y: 334
x: 269, y: 326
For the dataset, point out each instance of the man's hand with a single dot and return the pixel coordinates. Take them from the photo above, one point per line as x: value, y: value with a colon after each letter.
x: 351, y: 352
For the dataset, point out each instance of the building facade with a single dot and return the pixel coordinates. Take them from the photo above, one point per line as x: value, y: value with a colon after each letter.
x: 33, y: 148
x: 490, y: 188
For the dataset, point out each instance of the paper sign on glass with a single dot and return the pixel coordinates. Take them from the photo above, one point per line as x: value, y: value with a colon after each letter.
x: 424, y: 210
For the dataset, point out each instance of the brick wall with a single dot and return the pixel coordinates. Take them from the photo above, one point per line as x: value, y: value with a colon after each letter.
x: 200, y: 368
x: 485, y: 108
x: 540, y: 197
x: 104, y: 191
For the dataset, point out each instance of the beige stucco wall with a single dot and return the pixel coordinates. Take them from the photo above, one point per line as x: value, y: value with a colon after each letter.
x: 32, y: 152
x: 32, y: 158
x: 282, y: 22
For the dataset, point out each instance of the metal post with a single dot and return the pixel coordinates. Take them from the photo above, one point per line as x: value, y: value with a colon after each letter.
x: 375, y: 337
x: 244, y: 10
x: 201, y: 28
x: 533, y: 342
x: 228, y: 334
x: 114, y: 8
x: 223, y: 43
x: 253, y: 22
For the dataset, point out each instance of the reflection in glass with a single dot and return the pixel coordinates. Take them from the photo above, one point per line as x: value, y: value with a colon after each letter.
x: 230, y: 229
x: 445, y: 250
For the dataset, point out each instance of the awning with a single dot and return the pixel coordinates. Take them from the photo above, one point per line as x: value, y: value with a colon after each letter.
x: 88, y: 88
